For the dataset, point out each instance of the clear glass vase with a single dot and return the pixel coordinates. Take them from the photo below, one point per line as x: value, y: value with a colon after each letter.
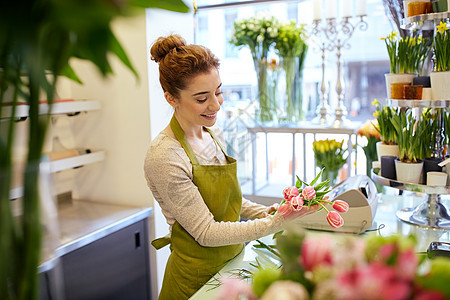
x: 331, y: 174
x: 267, y: 109
x: 293, y: 91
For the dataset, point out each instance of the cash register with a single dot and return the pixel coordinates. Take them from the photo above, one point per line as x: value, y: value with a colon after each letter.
x: 360, y: 193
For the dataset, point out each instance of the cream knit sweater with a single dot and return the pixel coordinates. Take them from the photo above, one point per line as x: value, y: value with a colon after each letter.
x: 168, y: 171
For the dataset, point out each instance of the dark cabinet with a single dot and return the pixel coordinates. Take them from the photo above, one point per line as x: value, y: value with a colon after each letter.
x: 113, y: 267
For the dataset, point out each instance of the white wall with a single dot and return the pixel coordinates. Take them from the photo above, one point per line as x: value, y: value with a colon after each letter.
x: 162, y: 23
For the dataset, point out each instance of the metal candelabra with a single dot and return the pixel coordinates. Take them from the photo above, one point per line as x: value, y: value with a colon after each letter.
x: 337, y: 35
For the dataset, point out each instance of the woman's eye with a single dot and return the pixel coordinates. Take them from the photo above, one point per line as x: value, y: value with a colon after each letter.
x: 201, y: 100
x: 219, y: 93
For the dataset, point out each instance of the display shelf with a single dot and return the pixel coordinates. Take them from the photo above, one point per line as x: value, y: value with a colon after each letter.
x: 76, y: 161
x: 431, y: 213
x: 67, y: 107
x: 424, y: 22
x: 418, y: 103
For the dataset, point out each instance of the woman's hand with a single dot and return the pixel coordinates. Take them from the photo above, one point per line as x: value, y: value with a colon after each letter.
x: 272, y: 209
x: 303, y: 212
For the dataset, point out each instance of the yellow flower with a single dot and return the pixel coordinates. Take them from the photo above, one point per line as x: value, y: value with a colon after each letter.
x: 442, y: 27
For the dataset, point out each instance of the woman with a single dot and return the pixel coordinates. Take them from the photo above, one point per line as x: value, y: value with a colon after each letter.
x: 193, y: 179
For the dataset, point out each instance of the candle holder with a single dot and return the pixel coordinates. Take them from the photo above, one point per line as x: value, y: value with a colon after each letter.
x: 323, y: 111
x: 337, y: 36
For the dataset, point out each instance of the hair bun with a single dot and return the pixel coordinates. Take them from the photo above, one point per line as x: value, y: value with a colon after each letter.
x: 164, y: 45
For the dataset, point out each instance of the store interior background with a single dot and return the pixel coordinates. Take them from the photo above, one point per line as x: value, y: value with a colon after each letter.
x: 134, y: 111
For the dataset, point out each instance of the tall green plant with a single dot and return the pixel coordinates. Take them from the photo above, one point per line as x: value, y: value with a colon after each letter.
x: 37, y: 38
x: 384, y: 115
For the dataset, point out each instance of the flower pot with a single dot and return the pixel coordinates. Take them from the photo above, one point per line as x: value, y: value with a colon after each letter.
x: 440, y: 5
x: 388, y: 167
x: 431, y: 165
x: 395, y: 78
x: 440, y: 89
x: 387, y: 150
x: 423, y: 81
x: 408, y: 172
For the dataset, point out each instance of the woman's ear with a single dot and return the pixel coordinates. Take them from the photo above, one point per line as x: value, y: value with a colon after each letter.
x: 171, y: 99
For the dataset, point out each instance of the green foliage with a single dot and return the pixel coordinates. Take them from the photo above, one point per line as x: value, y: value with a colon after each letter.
x: 406, y: 54
x: 442, y: 48
x: 291, y: 40
x: 263, y: 278
x: 438, y: 277
x: 384, y: 115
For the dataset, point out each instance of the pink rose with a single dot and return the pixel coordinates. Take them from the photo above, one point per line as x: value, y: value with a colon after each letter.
x: 308, y: 193
x: 297, y: 203
x: 290, y: 192
x: 335, y: 219
x: 285, y: 209
x: 340, y: 206
x: 316, y: 251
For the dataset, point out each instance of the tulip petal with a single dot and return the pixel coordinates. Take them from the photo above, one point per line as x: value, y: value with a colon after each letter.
x: 334, y: 219
x: 284, y: 209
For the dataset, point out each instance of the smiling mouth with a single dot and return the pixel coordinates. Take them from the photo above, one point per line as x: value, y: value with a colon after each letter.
x: 210, y: 116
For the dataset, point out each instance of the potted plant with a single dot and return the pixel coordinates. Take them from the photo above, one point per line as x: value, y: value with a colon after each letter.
x: 291, y: 48
x: 413, y: 138
x: 432, y: 157
x: 329, y: 155
x: 38, y: 38
x: 440, y: 77
x: 406, y: 58
x: 258, y: 33
x: 387, y: 146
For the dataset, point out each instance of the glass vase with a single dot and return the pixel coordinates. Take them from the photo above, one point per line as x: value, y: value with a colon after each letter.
x: 266, y: 109
x: 289, y: 66
x: 330, y: 174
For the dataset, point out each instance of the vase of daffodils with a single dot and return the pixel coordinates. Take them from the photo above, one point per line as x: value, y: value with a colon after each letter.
x: 258, y: 34
x: 370, y: 132
x: 440, y: 77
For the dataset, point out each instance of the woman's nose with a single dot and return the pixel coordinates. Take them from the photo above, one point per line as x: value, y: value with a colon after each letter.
x: 215, y: 103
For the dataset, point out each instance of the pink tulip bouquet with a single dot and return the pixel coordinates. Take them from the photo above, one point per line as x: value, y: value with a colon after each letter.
x: 325, y: 266
x: 304, y: 194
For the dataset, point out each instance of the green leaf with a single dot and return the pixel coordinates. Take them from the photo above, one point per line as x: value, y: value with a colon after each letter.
x: 321, y: 185
x: 70, y: 73
x: 300, y: 182
x: 317, y: 177
x: 172, y: 5
x: 117, y: 49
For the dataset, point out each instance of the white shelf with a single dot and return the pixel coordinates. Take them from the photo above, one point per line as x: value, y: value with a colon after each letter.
x: 424, y: 22
x: 65, y: 164
x: 57, y: 108
x: 418, y: 103
x: 76, y: 161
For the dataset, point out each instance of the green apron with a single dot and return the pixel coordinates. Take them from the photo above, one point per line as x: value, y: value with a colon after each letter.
x: 190, y: 265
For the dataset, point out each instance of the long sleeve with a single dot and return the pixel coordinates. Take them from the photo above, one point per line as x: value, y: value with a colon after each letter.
x: 251, y: 210
x: 169, y: 176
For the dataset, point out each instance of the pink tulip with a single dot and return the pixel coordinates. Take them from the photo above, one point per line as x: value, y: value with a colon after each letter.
x: 340, y: 206
x: 335, y: 219
x: 308, y: 193
x: 290, y: 192
x: 234, y: 288
x: 316, y: 251
x: 297, y: 203
x: 285, y: 209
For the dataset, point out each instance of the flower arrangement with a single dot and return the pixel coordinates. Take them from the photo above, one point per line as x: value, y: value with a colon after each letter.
x: 291, y: 47
x: 441, y: 48
x: 296, y: 197
x: 370, y: 132
x: 258, y: 34
x: 322, y: 266
x: 329, y: 155
x: 384, y: 115
x: 413, y: 136
x: 406, y: 54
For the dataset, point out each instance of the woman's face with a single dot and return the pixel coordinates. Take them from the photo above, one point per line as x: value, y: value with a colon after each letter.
x: 199, y: 103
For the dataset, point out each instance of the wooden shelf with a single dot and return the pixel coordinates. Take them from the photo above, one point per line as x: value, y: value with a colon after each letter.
x: 68, y: 107
x: 424, y: 22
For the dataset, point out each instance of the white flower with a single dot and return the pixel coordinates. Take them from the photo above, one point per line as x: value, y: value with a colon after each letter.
x: 260, y: 38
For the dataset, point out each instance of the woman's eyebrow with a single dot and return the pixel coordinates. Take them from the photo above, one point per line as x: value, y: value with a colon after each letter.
x: 206, y: 92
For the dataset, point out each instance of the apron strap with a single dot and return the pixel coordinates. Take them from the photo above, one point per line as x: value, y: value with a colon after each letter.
x: 179, y: 134
x: 229, y: 159
x: 162, y: 241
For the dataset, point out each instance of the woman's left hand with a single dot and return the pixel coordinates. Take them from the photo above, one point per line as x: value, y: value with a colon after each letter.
x: 272, y: 209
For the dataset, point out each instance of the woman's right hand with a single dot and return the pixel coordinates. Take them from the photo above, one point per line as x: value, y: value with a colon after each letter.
x: 303, y: 212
